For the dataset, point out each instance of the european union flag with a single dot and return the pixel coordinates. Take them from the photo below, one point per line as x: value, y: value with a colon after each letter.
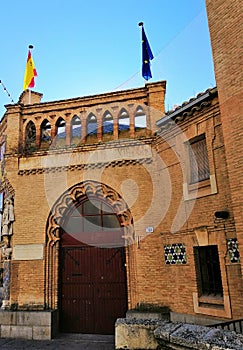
x: 147, y: 56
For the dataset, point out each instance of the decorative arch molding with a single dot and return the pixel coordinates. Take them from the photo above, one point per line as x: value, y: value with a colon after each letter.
x: 5, y: 186
x: 71, y: 197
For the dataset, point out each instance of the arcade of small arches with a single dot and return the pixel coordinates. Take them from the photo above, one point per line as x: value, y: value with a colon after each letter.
x: 93, y: 126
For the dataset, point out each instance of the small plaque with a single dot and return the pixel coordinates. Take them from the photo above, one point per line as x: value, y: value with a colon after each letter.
x: 28, y: 252
x: 149, y: 229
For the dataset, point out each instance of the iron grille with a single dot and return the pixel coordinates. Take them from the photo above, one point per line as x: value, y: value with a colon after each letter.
x: 199, y: 165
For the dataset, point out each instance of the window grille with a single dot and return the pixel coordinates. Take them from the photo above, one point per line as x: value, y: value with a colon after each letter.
x: 199, y: 165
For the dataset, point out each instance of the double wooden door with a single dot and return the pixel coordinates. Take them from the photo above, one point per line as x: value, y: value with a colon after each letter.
x: 93, y: 289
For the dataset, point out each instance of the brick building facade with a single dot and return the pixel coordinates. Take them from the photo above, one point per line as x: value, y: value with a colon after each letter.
x: 108, y: 204
x: 226, y: 41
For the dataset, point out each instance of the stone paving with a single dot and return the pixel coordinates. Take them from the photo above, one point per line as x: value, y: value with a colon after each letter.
x: 73, y: 342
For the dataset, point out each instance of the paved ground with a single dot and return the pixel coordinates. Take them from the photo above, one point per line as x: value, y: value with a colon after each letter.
x: 73, y: 342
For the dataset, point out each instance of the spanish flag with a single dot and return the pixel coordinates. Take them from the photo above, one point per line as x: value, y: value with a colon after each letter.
x: 30, y: 73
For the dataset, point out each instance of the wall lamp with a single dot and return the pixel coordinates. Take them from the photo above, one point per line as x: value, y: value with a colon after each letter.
x: 221, y: 214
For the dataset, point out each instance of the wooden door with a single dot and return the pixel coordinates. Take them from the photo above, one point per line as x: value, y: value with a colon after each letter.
x: 93, y: 289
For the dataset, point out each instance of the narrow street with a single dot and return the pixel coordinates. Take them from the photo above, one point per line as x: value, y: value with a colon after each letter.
x: 65, y: 341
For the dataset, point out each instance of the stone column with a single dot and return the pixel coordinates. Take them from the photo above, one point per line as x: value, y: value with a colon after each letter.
x: 38, y: 136
x: 84, y: 130
x: 132, y: 124
x: 68, y: 133
x: 6, y: 284
x: 6, y: 249
x: 99, y: 130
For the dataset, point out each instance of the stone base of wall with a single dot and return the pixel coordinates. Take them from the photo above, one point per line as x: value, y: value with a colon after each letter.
x: 133, y: 333
x: 38, y: 325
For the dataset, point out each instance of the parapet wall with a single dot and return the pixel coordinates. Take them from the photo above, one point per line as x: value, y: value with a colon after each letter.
x: 143, y: 334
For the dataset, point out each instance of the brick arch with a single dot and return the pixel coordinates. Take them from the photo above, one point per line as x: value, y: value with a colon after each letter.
x: 55, y: 219
x: 27, y: 121
x: 124, y: 111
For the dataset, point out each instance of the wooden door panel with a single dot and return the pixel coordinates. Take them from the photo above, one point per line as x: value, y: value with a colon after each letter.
x: 75, y: 316
x: 93, y: 289
x: 76, y: 265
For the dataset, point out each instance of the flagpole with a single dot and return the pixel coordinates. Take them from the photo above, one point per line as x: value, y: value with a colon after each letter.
x: 30, y: 48
x: 147, y: 55
x: 140, y: 24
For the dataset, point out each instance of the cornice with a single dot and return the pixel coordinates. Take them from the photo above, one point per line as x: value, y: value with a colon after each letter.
x: 113, y: 164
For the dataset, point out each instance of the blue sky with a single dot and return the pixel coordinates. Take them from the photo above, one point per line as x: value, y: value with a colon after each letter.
x: 89, y: 47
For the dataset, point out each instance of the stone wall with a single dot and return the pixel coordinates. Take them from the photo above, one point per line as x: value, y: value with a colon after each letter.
x: 188, y: 336
x: 143, y: 334
x: 41, y: 325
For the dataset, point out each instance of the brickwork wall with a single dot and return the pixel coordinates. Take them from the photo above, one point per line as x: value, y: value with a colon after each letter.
x: 226, y: 30
x: 36, y: 190
x: 27, y: 285
x: 174, y: 285
x: 150, y: 175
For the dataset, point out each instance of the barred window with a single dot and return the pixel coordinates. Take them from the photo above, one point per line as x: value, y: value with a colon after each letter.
x: 208, y: 270
x: 199, y: 165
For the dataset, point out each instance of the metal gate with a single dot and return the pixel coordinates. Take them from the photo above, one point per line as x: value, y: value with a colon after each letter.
x: 93, y: 289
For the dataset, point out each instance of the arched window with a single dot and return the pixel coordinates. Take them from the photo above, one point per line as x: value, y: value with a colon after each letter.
x: 45, y: 133
x: 92, y: 126
x: 93, y: 222
x: 61, y: 128
x: 123, y: 124
x: 107, y: 126
x: 76, y: 130
x: 30, y: 136
x: 140, y: 121
x: 60, y: 139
